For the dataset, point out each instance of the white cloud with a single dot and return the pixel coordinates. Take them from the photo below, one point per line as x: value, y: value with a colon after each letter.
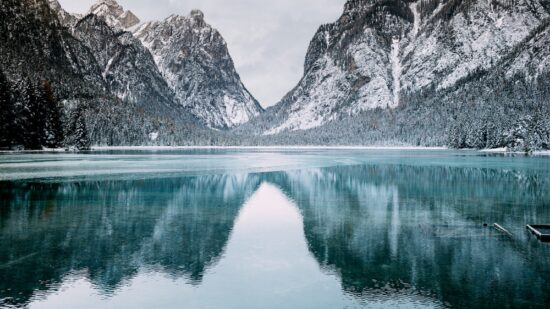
x: 267, y: 39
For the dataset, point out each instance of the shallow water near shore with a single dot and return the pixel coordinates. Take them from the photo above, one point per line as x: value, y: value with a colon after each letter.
x: 273, y: 228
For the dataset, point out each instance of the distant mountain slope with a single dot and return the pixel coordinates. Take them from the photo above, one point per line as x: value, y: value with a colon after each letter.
x: 399, y: 56
x: 194, y: 59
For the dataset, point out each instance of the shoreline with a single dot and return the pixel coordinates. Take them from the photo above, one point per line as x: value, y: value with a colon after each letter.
x: 104, y: 148
x: 176, y: 148
x: 168, y: 148
x: 506, y: 151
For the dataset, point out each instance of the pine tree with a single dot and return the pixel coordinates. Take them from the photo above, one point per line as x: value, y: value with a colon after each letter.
x: 7, y: 113
x: 53, y: 130
x: 21, y: 103
x: 34, y: 117
x: 77, y: 133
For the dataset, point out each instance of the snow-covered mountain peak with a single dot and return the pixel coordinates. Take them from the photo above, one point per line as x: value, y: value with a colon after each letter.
x: 114, y: 14
x: 194, y: 20
x: 194, y: 60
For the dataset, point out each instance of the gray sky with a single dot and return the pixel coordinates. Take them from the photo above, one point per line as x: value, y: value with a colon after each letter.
x: 267, y: 39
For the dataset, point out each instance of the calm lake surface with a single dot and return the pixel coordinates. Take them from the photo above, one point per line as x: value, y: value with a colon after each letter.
x: 273, y: 229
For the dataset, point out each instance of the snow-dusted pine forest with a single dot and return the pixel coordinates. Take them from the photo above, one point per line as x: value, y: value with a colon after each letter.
x: 457, y: 73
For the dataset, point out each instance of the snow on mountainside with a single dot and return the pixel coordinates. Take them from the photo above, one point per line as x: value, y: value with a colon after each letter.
x: 126, y: 65
x: 114, y: 14
x: 34, y: 45
x: 379, y: 53
x: 104, y: 77
x: 194, y: 59
x: 191, y: 66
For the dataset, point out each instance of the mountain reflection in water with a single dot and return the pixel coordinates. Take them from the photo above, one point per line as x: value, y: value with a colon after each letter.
x: 352, y: 236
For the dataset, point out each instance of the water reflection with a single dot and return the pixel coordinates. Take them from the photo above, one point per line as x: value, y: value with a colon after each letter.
x: 367, y: 235
x: 112, y: 229
x: 397, y: 227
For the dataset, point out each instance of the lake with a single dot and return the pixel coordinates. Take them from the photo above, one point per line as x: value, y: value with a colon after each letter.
x: 273, y: 228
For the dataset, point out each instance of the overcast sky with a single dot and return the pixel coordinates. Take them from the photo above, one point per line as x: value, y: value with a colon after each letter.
x: 267, y: 39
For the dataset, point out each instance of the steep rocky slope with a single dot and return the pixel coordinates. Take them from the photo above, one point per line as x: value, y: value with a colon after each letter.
x: 35, y: 46
x: 191, y: 64
x: 391, y: 54
x: 127, y: 66
x: 66, y: 18
x: 194, y: 60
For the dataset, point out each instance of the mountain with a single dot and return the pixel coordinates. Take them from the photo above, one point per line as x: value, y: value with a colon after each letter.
x: 403, y: 71
x: 194, y: 59
x: 35, y: 45
x: 127, y: 66
x: 89, y: 68
x: 114, y: 14
x: 459, y: 73
x: 64, y: 17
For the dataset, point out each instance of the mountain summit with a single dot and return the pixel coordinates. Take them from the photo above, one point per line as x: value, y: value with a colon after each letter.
x: 194, y: 59
x: 114, y: 14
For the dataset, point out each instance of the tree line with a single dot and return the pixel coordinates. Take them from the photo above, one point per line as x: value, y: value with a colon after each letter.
x: 32, y: 118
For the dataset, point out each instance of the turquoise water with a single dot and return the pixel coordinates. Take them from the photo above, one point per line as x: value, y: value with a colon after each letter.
x: 273, y: 229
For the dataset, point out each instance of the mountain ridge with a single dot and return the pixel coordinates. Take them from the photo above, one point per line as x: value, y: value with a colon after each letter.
x: 195, y: 61
x: 380, y: 59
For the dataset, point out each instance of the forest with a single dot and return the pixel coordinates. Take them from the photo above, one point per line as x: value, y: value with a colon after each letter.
x: 32, y: 118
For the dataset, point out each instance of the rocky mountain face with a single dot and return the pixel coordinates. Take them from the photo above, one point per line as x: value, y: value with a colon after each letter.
x: 114, y: 14
x: 191, y: 64
x: 401, y: 56
x: 107, y: 78
x: 127, y: 66
x: 194, y: 60
x: 34, y: 45
x: 64, y: 17
x: 102, y: 73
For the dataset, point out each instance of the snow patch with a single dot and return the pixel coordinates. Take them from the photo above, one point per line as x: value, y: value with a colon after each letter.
x: 397, y: 69
x: 153, y: 136
x: 235, y: 112
x: 107, y: 68
x: 417, y: 17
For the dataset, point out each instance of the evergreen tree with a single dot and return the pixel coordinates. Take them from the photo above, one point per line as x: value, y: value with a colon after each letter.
x: 7, y: 113
x: 34, y: 117
x: 21, y: 102
x: 77, y: 136
x: 53, y: 130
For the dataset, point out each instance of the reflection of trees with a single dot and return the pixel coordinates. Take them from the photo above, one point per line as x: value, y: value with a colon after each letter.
x: 401, y: 226
x: 111, y: 229
x: 376, y: 226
